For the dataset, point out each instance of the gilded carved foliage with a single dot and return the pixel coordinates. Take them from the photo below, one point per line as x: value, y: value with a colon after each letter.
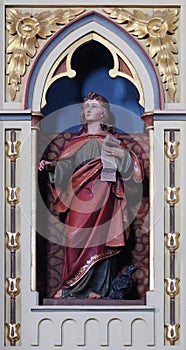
x: 158, y: 32
x: 25, y: 30
x: 158, y: 29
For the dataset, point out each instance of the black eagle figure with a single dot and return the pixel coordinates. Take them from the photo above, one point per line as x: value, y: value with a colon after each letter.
x: 123, y: 285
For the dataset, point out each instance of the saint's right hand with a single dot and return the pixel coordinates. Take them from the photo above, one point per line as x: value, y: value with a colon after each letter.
x: 42, y: 164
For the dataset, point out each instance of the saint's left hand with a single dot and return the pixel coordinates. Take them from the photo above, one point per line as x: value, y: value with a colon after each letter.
x: 114, y: 151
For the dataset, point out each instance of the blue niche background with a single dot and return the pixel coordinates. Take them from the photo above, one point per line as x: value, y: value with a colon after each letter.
x: 92, y: 62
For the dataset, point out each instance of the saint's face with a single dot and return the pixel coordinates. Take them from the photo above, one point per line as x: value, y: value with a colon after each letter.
x: 93, y: 111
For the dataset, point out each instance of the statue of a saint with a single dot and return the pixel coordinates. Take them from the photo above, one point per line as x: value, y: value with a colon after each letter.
x: 89, y: 182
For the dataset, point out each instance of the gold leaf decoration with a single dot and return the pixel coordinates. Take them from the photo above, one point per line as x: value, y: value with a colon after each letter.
x: 25, y: 30
x: 158, y: 32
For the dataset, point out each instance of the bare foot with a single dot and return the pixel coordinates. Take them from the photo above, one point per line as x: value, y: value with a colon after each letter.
x: 58, y: 294
x: 93, y: 295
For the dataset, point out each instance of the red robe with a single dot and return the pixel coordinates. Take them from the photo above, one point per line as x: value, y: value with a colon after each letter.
x: 96, y: 221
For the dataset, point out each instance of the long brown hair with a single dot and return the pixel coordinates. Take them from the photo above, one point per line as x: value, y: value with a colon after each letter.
x: 108, y: 119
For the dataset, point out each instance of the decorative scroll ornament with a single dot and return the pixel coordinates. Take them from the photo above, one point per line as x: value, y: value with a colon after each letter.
x: 25, y: 30
x: 158, y: 31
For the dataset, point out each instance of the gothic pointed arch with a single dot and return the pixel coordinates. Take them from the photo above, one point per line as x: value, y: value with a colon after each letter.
x: 129, y: 60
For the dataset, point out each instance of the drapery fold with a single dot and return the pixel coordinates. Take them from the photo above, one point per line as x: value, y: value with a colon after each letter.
x: 96, y: 223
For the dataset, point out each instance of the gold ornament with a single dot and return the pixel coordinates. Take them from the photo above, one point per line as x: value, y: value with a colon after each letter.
x: 172, y: 195
x: 172, y: 240
x: 13, y: 287
x: 13, y: 332
x: 172, y: 332
x: 13, y: 240
x: 12, y: 149
x: 158, y: 32
x: 171, y: 149
x: 12, y: 194
x: 172, y: 286
x: 25, y: 30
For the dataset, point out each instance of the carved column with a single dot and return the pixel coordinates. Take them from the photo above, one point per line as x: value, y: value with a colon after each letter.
x: 13, y: 289
x: 36, y: 118
x: 149, y: 121
x: 172, y: 238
